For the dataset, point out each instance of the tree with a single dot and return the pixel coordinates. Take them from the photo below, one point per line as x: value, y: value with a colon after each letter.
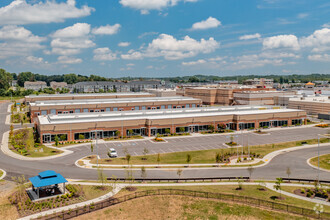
x: 5, y: 79
x: 117, y: 133
x: 128, y: 158
x: 188, y: 159
x: 167, y: 131
x: 81, y: 136
x: 158, y: 158
x: 23, y: 77
x: 182, y: 129
x: 211, y: 128
x: 130, y: 132
x: 56, y: 140
x: 92, y: 147
x: 288, y: 172
x: 218, y: 158
x: 20, y: 183
x: 278, y: 186
x: 179, y: 172
x: 145, y: 152
x: 222, y: 126
x: 11, y: 132
x: 250, y: 170
x: 143, y: 172
x: 70, y: 78
x: 63, y: 137
x: 102, y: 177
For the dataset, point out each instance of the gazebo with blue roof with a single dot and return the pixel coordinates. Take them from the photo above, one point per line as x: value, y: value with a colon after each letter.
x: 47, y: 182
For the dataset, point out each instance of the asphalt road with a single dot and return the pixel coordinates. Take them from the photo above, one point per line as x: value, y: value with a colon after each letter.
x: 276, y: 168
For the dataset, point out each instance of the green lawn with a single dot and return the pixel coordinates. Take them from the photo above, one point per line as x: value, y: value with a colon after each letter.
x: 23, y: 143
x: 15, y: 98
x: 324, y: 161
x: 1, y: 173
x: 92, y: 192
x: 181, y: 207
x: 18, y: 117
x: 203, y: 156
x: 250, y: 191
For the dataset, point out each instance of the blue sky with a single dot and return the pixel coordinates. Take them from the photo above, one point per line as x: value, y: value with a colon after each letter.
x: 153, y: 38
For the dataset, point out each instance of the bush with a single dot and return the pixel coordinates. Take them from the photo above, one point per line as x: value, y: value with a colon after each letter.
x: 309, y: 194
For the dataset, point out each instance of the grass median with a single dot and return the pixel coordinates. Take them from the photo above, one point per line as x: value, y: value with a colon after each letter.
x: 203, y: 156
x: 324, y: 161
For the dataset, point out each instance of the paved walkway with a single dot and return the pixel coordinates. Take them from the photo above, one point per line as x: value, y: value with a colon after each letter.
x: 5, y: 149
x: 266, y: 159
x: 82, y: 204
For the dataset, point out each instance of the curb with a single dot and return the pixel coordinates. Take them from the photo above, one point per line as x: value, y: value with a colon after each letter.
x: 3, y: 174
x: 315, y: 167
x: 7, y: 151
x: 266, y: 159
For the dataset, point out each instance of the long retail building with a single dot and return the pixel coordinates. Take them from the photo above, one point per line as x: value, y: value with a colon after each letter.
x: 82, y: 126
x: 106, y: 105
x: 33, y: 98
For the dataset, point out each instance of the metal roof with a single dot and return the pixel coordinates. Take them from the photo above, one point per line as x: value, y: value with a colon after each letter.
x: 47, y: 178
x: 90, y: 94
x: 159, y: 114
x: 112, y: 101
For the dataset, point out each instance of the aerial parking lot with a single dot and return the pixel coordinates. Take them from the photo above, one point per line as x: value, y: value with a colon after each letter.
x: 197, y: 142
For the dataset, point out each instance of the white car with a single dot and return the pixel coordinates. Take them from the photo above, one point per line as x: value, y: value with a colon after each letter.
x: 112, y: 152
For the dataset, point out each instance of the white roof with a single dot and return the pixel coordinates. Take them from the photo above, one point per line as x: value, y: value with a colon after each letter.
x: 113, y: 101
x: 90, y: 94
x: 159, y: 114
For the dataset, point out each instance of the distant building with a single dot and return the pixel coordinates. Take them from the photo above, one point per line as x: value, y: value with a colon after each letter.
x: 261, y: 81
x: 309, y: 85
x: 259, y: 97
x: 14, y: 83
x: 217, y: 95
x: 162, y: 92
x: 227, y: 82
x: 311, y: 104
x: 36, y: 86
x: 58, y: 85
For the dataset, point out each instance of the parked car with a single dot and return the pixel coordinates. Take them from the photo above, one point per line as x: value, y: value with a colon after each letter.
x: 112, y: 152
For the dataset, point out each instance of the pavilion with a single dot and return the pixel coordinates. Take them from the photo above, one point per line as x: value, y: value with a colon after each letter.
x: 46, y: 184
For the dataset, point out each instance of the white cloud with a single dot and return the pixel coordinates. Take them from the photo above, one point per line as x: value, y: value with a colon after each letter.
x: 18, y: 41
x: 124, y: 44
x: 132, y: 55
x: 130, y: 64
x: 277, y: 55
x: 21, y: 12
x: 319, y: 39
x: 71, y: 40
x: 193, y: 63
x: 206, y: 24
x: 15, y: 33
x: 319, y: 57
x: 250, y: 36
x: 76, y: 30
x: 302, y: 15
x: 103, y: 54
x: 37, y: 60
x: 281, y: 41
x: 173, y: 49
x: 327, y: 25
x: 146, y: 5
x: 68, y: 60
x: 107, y: 29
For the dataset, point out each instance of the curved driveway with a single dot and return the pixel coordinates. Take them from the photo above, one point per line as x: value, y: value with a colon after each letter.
x: 296, y: 160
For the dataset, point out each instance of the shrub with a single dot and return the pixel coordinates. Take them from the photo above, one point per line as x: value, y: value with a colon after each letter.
x: 245, y: 158
x: 239, y: 160
x: 303, y: 191
x: 309, y: 194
